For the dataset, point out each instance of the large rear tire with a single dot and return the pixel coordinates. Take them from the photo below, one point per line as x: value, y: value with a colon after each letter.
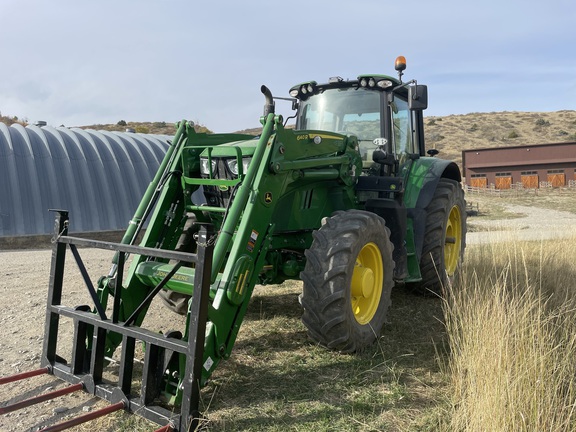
x: 348, y: 281
x: 444, y: 238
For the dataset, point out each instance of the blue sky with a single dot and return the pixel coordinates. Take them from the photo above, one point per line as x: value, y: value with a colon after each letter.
x: 78, y: 62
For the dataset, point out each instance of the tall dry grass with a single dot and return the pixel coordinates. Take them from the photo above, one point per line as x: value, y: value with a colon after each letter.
x: 511, y: 324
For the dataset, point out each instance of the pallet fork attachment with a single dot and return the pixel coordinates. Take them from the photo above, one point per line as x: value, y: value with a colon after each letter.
x: 89, y: 377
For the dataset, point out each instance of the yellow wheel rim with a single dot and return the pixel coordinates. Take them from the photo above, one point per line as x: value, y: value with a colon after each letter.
x: 453, y: 242
x: 366, y: 286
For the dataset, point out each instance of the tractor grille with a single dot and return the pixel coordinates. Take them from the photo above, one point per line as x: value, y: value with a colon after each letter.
x: 219, y: 196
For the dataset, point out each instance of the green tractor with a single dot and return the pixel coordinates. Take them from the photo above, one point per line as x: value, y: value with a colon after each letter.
x: 347, y: 201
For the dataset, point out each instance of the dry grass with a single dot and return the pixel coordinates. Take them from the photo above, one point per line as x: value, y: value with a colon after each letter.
x: 512, y: 333
x: 278, y: 380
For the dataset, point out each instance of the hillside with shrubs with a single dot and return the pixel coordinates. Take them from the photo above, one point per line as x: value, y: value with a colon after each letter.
x: 449, y: 134
x: 454, y: 133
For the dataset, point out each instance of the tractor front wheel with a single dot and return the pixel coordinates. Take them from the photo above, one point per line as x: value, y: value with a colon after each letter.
x: 175, y: 301
x: 348, y: 281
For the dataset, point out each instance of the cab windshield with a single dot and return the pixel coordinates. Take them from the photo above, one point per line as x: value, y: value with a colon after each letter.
x: 345, y: 111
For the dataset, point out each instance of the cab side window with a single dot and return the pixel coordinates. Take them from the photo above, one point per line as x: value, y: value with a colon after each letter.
x: 403, y: 131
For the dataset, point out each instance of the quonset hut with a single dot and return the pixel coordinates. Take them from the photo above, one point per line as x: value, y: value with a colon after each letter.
x: 98, y: 176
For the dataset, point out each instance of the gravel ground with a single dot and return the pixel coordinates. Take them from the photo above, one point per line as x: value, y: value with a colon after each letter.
x: 533, y: 224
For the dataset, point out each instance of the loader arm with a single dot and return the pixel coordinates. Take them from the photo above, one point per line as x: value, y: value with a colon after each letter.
x: 284, y: 166
x: 259, y: 204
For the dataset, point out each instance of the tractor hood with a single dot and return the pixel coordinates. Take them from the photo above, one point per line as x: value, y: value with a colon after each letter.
x: 230, y: 149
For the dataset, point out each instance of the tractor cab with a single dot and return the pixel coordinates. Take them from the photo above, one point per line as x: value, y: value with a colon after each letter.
x: 384, y: 113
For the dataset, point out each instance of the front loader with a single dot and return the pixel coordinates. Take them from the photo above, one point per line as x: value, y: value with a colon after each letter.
x: 349, y: 201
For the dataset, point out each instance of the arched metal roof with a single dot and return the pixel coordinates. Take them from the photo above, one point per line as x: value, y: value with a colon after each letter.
x: 98, y: 176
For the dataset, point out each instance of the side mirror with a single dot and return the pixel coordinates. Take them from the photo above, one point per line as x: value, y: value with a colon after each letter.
x: 418, y: 97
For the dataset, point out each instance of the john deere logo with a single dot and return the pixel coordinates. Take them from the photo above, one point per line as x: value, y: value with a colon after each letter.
x: 268, y: 197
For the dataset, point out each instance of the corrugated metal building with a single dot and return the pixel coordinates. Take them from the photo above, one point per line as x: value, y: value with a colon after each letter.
x: 98, y: 176
x: 528, y: 165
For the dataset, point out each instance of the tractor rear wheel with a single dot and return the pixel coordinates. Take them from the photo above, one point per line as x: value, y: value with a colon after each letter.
x: 444, y: 238
x: 348, y: 281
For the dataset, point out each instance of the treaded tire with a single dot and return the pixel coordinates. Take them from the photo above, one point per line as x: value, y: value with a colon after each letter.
x: 175, y: 301
x: 327, y: 297
x: 445, y: 224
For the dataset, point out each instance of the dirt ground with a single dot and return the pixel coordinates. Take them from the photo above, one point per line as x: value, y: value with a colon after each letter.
x: 24, y: 276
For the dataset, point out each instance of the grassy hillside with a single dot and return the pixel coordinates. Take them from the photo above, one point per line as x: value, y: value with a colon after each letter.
x: 448, y: 134
x: 452, y: 134
x: 160, y: 128
x: 10, y: 120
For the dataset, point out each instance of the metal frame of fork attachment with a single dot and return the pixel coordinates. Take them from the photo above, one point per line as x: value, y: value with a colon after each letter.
x: 156, y: 345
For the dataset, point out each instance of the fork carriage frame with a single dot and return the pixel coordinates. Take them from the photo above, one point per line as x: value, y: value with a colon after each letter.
x: 157, y: 346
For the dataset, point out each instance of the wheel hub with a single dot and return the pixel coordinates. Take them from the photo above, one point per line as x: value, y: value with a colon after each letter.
x: 453, y: 241
x: 363, y: 282
x: 366, y: 283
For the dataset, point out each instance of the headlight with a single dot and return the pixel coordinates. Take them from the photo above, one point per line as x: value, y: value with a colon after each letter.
x: 204, y: 166
x: 233, y: 165
x: 384, y: 83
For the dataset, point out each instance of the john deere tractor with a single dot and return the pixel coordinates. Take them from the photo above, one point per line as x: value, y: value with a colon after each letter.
x: 349, y: 201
